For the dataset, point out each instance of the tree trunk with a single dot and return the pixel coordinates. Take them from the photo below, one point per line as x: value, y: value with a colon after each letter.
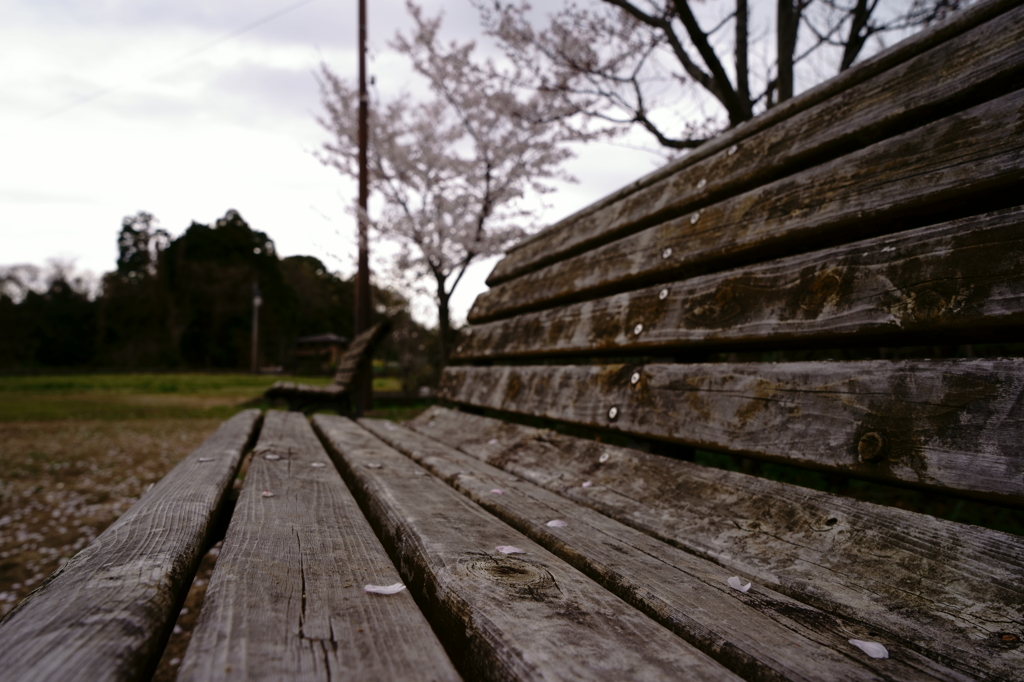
x: 742, y: 70
x: 444, y: 325
x: 788, y: 23
x: 859, y: 33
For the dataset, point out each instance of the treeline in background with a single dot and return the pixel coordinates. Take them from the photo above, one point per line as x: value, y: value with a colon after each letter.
x: 187, y: 303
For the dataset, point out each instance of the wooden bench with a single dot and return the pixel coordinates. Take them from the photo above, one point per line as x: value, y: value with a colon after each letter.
x: 354, y: 362
x: 560, y: 519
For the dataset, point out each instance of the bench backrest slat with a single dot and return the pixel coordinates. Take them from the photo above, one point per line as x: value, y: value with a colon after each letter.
x: 814, y: 111
x: 943, y: 425
x: 961, y: 278
x: 888, y: 213
x: 353, y: 358
x: 962, y: 164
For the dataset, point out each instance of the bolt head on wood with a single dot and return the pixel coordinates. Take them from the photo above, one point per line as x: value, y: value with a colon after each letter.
x: 694, y: 218
x: 872, y: 447
x: 638, y: 328
x: 635, y: 379
x: 733, y: 149
x: 666, y: 253
x: 702, y: 184
x: 663, y: 294
x: 613, y: 412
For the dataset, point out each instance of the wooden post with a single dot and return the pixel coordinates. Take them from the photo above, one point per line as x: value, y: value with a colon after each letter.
x: 362, y: 388
x: 257, y: 301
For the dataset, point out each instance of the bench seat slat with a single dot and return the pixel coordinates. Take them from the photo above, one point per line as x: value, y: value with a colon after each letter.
x: 954, y: 164
x: 962, y: 276
x: 106, y: 613
x: 286, y: 600
x: 948, y: 590
x: 946, y: 425
x: 518, y: 616
x: 900, y: 86
x: 759, y: 635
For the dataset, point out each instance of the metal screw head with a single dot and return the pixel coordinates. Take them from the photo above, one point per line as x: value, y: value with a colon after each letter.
x: 694, y: 218
x: 635, y: 379
x: 702, y: 184
x: 613, y: 412
x: 733, y: 149
x: 872, y: 447
x: 638, y: 328
x: 603, y: 458
x: 667, y: 252
x: 663, y: 294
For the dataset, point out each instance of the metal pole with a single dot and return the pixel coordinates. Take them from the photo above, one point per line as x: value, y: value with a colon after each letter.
x: 363, y: 385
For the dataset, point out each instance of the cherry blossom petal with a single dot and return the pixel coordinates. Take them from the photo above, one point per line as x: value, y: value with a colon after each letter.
x: 272, y: 457
x: 493, y: 441
x: 872, y: 649
x: 318, y: 465
x: 497, y: 491
x: 384, y: 589
x: 586, y: 484
x: 509, y: 549
x: 737, y: 584
x: 267, y: 493
x: 557, y: 523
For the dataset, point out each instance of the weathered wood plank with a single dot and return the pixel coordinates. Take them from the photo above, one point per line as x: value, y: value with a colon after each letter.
x: 950, y: 591
x: 963, y: 276
x: 523, y: 616
x: 949, y: 165
x: 286, y: 601
x: 358, y: 354
x: 106, y: 614
x: 901, y: 86
x: 950, y: 425
x: 759, y: 635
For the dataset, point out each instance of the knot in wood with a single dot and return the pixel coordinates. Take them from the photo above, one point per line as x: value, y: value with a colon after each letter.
x: 516, y: 576
x: 872, y: 446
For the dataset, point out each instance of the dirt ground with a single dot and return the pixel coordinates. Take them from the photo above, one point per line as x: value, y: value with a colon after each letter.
x: 63, y: 482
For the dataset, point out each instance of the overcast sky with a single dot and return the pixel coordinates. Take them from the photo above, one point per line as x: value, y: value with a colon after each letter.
x: 186, y: 109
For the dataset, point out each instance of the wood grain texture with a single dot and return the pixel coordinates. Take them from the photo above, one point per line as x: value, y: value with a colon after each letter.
x: 106, y: 614
x: 953, y: 164
x: 950, y: 591
x: 286, y: 601
x: 503, y: 617
x: 960, y: 277
x: 898, y: 87
x: 760, y: 634
x: 949, y: 425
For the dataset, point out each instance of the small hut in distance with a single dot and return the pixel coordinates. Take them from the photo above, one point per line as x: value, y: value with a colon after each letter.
x: 318, y: 353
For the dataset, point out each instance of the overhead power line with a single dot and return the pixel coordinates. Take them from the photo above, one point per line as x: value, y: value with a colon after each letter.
x: 178, y: 60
